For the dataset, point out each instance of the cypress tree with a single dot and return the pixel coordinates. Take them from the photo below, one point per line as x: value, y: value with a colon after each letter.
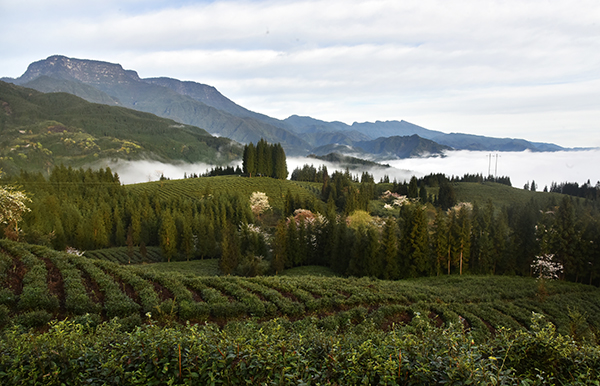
x: 168, y: 235
x: 389, y: 250
x: 441, y: 244
x: 423, y: 194
x: 279, y: 163
x: 279, y: 261
x: 419, y: 240
x: 249, y: 159
x: 230, y: 250
x: 413, y: 188
x: 446, y: 196
x: 292, y: 244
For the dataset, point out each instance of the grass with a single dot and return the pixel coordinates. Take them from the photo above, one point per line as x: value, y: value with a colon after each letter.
x: 501, y: 195
x: 208, y: 267
x: 309, y: 270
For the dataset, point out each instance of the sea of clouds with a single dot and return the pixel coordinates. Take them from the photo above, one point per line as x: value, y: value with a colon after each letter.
x: 521, y: 167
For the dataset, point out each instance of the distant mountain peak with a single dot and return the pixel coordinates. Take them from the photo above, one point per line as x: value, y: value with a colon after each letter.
x: 82, y: 70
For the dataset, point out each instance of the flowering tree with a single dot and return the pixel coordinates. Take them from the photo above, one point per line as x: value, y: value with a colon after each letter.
x: 259, y: 203
x: 13, y: 203
x: 545, y: 268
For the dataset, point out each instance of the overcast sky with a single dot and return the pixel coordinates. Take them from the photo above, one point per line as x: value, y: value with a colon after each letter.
x: 506, y: 68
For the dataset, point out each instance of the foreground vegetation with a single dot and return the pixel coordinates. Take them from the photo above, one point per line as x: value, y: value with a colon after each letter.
x: 68, y: 319
x: 303, y: 353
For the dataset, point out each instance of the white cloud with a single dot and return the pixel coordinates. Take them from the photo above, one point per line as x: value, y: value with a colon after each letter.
x: 521, y: 167
x: 487, y: 67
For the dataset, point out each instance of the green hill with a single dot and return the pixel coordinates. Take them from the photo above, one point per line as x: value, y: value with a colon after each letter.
x: 39, y: 131
x: 275, y: 189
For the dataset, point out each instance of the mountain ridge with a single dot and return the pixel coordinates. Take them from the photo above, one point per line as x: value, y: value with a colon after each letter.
x: 204, y: 106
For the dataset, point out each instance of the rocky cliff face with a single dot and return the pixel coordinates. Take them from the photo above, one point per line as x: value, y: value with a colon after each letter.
x: 85, y: 71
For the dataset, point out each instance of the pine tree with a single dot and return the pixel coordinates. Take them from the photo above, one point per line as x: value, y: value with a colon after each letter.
x: 413, y: 188
x: 423, y: 194
x: 441, y: 245
x: 389, y: 250
x: 565, y: 238
x: 230, y: 250
x: 293, y: 253
x: 99, y: 233
x: 279, y: 163
x: 419, y: 239
x: 249, y: 159
x: 168, y: 235
x: 186, y: 234
x: 446, y: 196
x: 280, y: 247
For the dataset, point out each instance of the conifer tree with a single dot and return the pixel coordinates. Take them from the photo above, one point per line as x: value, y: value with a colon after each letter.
x: 279, y: 163
x: 293, y: 253
x: 413, y: 188
x: 419, y: 239
x: 423, y: 194
x: 446, y: 196
x: 168, y: 235
x: 280, y: 247
x: 389, y: 250
x: 99, y: 232
x: 230, y: 250
x: 441, y: 242
x: 249, y: 160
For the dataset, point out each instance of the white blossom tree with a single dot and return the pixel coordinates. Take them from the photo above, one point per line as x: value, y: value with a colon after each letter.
x: 259, y: 203
x: 13, y: 203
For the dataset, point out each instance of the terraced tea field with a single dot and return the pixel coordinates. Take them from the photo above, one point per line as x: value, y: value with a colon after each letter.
x: 197, y: 187
x: 40, y: 284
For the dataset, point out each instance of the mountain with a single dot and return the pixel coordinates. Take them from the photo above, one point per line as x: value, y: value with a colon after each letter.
x: 204, y: 106
x: 345, y: 161
x: 402, y: 147
x: 457, y: 141
x: 125, y: 88
x: 39, y: 130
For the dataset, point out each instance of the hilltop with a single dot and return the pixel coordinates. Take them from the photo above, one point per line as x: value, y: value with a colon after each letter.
x: 41, y: 130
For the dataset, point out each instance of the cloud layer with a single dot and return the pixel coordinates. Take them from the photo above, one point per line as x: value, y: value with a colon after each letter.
x: 521, y: 167
x: 503, y: 68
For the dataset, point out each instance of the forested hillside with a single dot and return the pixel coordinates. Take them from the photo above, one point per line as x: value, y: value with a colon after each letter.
x: 40, y: 131
x: 426, y: 227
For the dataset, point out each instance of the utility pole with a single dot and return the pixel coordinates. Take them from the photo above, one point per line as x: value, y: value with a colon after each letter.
x: 496, y: 172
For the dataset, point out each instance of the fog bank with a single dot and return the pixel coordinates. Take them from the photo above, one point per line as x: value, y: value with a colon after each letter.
x: 133, y: 172
x: 521, y: 167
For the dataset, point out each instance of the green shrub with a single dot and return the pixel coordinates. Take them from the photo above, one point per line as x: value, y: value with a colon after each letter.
x: 33, y: 319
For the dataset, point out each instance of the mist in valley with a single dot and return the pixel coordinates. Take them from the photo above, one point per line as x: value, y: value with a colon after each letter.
x: 522, y: 167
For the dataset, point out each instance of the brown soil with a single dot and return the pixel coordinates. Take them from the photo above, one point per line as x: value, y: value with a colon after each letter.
x: 465, y: 322
x: 489, y: 326
x: 14, y: 280
x: 196, y: 296
x: 56, y: 286
x: 290, y: 296
x: 92, y: 288
x: 402, y: 318
x: 436, y: 319
x: 162, y: 292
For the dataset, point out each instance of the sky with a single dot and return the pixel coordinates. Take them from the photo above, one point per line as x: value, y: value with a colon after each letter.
x: 503, y: 68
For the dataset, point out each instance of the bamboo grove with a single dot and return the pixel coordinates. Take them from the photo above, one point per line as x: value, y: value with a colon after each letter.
x: 357, y: 228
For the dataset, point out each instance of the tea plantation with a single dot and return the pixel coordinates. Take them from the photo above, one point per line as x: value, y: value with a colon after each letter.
x: 74, y: 320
